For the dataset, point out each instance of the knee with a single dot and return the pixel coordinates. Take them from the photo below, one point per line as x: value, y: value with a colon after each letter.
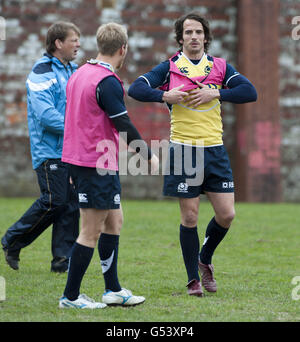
x: 118, y: 226
x: 190, y: 218
x: 113, y: 226
x: 88, y: 238
x: 225, y: 219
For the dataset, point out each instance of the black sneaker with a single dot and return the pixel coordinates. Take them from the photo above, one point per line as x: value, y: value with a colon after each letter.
x: 12, y: 258
x: 59, y: 264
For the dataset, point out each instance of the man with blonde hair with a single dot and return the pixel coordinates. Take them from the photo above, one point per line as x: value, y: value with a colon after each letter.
x: 95, y: 115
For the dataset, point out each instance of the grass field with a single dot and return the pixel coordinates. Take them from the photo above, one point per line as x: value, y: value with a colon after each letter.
x: 254, y: 268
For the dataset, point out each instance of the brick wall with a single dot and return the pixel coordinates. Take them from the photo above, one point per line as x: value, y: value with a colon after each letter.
x: 150, y: 25
x: 289, y: 70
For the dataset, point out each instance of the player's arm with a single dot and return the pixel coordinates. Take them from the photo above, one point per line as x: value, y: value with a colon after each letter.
x: 110, y: 98
x: 144, y: 88
x: 240, y: 89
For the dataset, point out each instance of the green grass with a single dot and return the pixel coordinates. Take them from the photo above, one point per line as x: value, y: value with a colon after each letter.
x: 254, y: 267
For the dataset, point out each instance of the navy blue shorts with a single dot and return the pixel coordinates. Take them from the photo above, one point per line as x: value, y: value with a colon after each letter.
x: 211, y: 171
x: 95, y: 190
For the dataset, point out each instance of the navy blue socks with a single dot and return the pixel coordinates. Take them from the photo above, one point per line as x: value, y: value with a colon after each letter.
x: 108, y: 246
x: 213, y: 236
x: 81, y: 257
x: 189, y: 242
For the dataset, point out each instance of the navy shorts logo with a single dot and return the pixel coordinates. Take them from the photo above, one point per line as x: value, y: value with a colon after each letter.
x: 227, y: 185
x: 82, y: 198
x: 183, y: 188
x: 117, y: 199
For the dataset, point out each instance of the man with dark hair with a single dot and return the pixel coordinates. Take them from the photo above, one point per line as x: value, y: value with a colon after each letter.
x: 59, y: 32
x: 192, y: 16
x: 193, y: 84
x: 46, y: 101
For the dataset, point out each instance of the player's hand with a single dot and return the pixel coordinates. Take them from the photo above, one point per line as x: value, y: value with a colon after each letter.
x: 201, y: 95
x: 174, y: 95
x: 154, y: 163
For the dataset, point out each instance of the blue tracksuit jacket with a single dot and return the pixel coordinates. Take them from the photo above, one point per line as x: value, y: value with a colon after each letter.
x: 46, y: 103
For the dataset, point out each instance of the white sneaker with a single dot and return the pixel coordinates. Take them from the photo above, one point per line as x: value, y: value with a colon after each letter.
x: 123, y: 297
x: 82, y: 302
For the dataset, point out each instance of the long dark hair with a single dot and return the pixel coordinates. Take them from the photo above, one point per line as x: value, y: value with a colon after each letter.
x: 193, y: 16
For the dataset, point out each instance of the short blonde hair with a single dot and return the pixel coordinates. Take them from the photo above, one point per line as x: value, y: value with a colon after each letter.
x: 110, y: 38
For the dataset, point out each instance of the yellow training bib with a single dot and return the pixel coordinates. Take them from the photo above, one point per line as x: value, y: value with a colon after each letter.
x: 203, y: 122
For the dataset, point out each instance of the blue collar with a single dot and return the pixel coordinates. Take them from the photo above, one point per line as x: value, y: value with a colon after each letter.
x: 58, y: 63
